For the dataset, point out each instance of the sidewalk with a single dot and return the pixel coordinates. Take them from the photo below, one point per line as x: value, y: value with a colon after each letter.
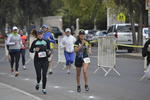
x: 11, y: 93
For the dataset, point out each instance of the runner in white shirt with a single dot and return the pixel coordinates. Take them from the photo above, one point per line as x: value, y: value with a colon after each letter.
x: 68, y: 44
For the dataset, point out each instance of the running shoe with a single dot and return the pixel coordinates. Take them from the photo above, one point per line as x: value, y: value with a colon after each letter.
x: 37, y: 87
x: 44, y: 91
x: 86, y: 88
x: 78, y: 89
x: 24, y: 67
x: 50, y: 73
x: 68, y: 71
x: 16, y: 74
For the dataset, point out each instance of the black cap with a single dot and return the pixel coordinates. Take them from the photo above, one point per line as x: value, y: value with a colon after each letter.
x: 40, y: 32
x: 81, y: 32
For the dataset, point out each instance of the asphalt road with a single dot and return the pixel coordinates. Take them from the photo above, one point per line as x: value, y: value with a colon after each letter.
x: 61, y: 86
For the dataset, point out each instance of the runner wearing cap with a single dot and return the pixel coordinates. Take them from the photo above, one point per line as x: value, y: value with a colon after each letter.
x: 49, y: 37
x: 15, y: 43
x: 41, y: 49
x: 68, y: 45
x: 82, y: 60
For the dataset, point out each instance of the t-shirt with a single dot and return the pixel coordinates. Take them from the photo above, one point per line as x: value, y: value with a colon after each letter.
x: 68, y: 43
x: 83, y: 52
x: 24, y: 39
x: 14, y: 41
x: 44, y: 47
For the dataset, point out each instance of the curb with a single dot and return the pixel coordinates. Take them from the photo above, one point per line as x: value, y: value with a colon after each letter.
x: 130, y: 55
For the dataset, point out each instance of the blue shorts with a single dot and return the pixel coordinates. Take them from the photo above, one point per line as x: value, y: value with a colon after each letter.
x: 69, y: 57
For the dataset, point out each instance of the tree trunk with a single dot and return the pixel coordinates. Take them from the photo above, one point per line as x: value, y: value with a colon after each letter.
x: 131, y: 15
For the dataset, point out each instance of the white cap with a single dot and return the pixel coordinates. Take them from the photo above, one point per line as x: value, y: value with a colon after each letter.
x: 68, y: 30
x: 15, y: 28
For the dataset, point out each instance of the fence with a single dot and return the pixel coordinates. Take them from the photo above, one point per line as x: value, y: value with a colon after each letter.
x: 107, y: 54
x: 61, y: 57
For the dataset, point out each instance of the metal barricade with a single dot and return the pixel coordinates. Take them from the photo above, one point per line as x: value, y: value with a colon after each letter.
x: 61, y: 57
x: 145, y: 68
x: 107, y: 54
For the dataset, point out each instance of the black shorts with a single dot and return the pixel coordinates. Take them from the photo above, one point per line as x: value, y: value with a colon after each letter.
x: 78, y: 62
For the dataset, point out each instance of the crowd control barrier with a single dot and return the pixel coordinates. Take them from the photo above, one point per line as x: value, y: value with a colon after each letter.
x: 61, y: 57
x: 107, y: 55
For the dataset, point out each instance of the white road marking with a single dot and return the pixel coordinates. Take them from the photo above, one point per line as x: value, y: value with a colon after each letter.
x: 56, y: 87
x: 91, y: 97
x: 21, y: 91
x: 71, y: 91
x: 26, y: 79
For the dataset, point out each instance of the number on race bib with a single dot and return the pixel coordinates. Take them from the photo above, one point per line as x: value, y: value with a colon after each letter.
x: 41, y: 54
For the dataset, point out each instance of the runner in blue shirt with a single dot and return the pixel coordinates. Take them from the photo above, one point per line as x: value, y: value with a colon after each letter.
x: 49, y: 36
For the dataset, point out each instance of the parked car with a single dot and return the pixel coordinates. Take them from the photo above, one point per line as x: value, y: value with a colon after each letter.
x: 90, y: 34
x: 56, y: 32
x: 123, y: 34
x: 146, y: 34
x: 97, y: 35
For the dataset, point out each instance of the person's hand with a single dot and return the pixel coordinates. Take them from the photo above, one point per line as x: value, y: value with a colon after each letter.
x: 37, y: 49
x: 83, y: 42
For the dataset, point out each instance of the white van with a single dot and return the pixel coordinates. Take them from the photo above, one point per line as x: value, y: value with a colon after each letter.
x: 123, y: 34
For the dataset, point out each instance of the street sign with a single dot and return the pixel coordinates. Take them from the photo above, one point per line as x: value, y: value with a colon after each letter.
x: 121, y: 17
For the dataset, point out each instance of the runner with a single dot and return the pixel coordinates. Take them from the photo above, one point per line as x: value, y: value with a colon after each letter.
x: 49, y: 37
x: 23, y: 49
x: 41, y: 48
x: 68, y: 44
x: 82, y: 60
x: 14, y: 42
x: 32, y: 37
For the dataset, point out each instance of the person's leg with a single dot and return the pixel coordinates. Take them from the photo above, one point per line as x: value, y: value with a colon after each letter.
x: 50, y: 64
x: 72, y: 58
x: 12, y: 60
x: 17, y: 57
x: 78, y: 73
x: 44, y: 74
x: 78, y: 64
x: 67, y: 61
x: 23, y: 58
x: 85, y: 74
x: 37, y: 66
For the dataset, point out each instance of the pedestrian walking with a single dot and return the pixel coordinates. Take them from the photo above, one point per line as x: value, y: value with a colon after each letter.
x: 68, y: 45
x: 50, y: 38
x: 23, y: 49
x: 15, y: 43
x: 82, y: 60
x: 41, y: 49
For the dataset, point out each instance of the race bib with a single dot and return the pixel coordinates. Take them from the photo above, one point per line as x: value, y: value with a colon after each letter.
x: 87, y: 60
x: 41, y: 54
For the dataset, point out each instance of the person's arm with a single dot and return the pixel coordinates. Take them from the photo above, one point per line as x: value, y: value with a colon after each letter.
x: 52, y: 39
x: 32, y: 47
x: 62, y: 43
x: 90, y: 49
x: 77, y: 46
x: 8, y: 41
